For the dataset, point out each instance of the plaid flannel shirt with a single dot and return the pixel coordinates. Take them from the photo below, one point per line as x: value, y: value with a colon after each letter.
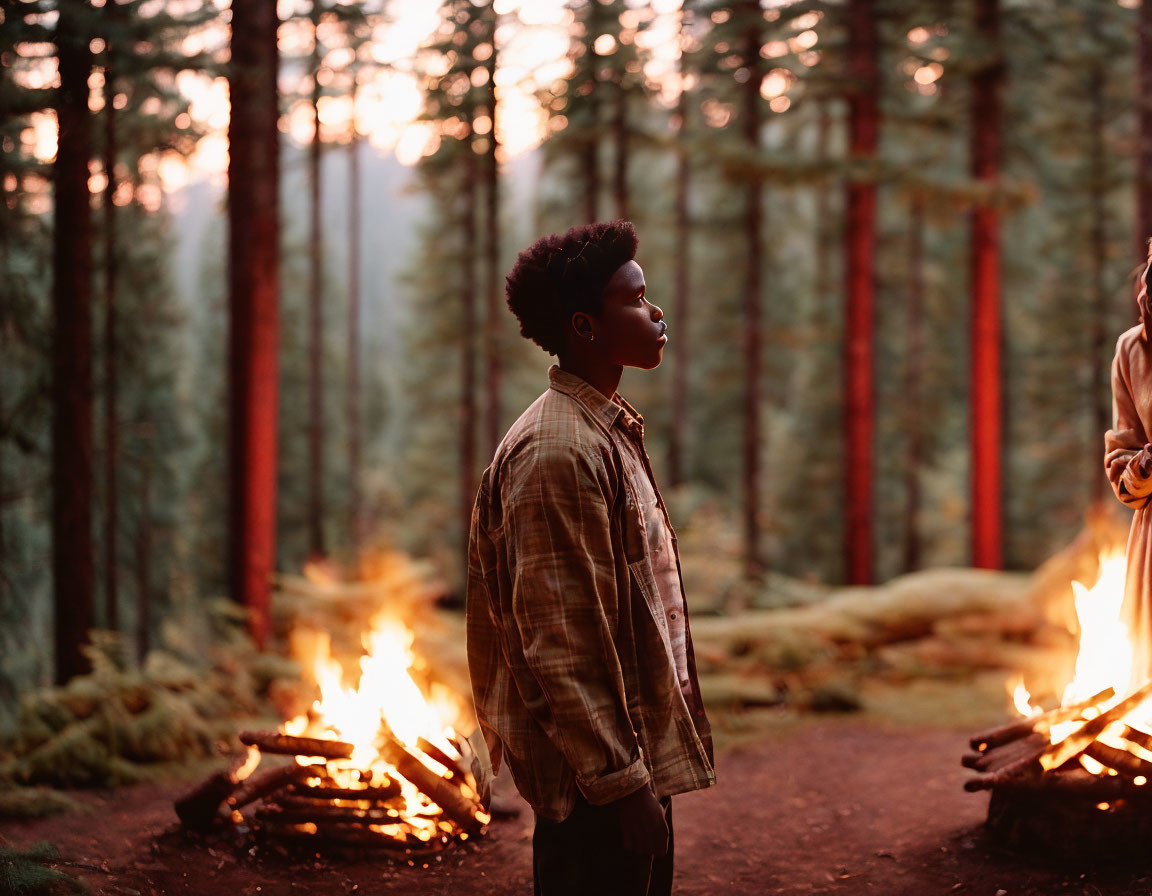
x: 574, y: 672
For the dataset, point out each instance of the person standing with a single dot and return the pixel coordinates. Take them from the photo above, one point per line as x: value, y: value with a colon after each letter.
x: 579, y: 649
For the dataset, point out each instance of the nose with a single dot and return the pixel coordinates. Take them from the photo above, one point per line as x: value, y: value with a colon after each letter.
x: 657, y: 314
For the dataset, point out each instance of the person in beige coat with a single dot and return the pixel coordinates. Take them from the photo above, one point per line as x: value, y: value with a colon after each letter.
x: 1128, y: 463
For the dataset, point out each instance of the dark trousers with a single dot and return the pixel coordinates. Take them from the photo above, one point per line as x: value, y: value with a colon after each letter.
x: 582, y: 855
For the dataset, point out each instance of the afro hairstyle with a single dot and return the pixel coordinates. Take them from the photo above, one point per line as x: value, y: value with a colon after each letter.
x: 559, y: 275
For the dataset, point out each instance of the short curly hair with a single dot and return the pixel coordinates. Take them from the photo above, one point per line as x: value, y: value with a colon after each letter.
x: 559, y: 275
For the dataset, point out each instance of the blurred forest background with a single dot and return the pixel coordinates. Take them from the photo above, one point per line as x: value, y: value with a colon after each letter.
x: 895, y: 241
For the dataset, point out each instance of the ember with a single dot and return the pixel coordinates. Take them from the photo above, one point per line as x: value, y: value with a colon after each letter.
x: 377, y: 765
x: 1074, y: 778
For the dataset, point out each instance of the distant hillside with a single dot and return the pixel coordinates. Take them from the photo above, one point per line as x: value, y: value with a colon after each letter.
x: 392, y: 210
x: 390, y: 213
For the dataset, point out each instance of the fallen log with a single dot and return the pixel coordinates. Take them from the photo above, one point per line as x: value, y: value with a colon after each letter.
x: 199, y: 807
x: 1022, y: 727
x: 443, y: 793
x: 290, y: 745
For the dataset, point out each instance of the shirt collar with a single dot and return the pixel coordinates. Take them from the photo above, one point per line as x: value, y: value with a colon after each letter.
x: 603, y: 409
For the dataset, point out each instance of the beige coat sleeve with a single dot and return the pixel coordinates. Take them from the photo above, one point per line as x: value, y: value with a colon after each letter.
x: 1124, y: 444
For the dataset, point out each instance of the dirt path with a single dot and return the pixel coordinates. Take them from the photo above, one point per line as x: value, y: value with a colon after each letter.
x: 816, y: 806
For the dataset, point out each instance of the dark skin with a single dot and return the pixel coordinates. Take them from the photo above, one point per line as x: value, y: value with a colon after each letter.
x: 628, y: 332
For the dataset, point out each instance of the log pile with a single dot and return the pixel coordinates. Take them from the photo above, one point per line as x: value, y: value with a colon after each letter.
x: 1021, y: 753
x: 415, y: 811
x: 1083, y: 794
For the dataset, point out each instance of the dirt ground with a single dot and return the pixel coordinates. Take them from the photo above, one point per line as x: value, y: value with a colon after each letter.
x: 841, y: 805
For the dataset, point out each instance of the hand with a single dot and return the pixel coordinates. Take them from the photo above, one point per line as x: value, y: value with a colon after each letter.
x: 643, y: 828
x: 1144, y: 462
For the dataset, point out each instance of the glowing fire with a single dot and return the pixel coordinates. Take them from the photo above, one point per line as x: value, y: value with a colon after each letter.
x: 386, y: 699
x: 1104, y: 661
x: 1105, y: 657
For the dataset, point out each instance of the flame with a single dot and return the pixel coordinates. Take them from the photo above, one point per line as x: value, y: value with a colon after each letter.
x: 386, y: 697
x: 1105, y: 657
x: 1104, y: 660
x: 1022, y: 700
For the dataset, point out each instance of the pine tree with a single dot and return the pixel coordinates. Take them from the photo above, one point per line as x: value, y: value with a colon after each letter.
x: 72, y: 560
x: 253, y: 252
x: 986, y: 402
x: 860, y: 243
x: 593, y: 111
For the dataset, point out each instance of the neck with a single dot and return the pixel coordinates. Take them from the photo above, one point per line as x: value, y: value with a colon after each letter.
x: 603, y: 376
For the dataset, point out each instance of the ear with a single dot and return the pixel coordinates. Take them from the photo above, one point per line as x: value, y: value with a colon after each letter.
x: 582, y: 324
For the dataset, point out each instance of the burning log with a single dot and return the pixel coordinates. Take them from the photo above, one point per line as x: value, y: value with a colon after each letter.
x: 1075, y: 743
x: 290, y: 745
x: 1005, y: 734
x: 198, y: 808
x: 443, y: 793
x: 996, y: 758
x: 1119, y: 760
x: 402, y: 846
x: 1054, y: 755
x: 296, y: 814
x: 454, y: 768
x: 262, y: 785
x: 325, y: 792
x: 1139, y: 738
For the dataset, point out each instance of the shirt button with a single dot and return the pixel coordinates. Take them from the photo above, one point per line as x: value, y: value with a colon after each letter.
x: 672, y: 615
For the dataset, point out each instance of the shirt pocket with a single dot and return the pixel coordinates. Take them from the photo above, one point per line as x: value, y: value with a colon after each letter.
x: 650, y: 518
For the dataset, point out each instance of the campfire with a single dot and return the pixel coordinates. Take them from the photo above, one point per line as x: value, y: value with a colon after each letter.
x: 1076, y: 776
x: 377, y: 765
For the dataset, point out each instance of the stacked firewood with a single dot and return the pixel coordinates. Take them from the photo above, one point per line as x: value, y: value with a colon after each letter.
x: 310, y: 799
x: 1023, y: 751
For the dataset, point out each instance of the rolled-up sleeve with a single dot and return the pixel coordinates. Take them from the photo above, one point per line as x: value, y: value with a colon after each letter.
x: 565, y: 610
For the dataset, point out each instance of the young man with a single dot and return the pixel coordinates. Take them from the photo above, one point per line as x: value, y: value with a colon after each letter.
x: 578, y: 642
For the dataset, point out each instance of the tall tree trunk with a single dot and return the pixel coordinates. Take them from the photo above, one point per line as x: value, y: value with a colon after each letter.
x: 620, y: 160
x: 859, y: 317
x: 590, y: 157
x: 254, y: 299
x: 468, y: 337
x: 1144, y: 135
x: 822, y: 234
x: 72, y: 348
x: 913, y: 378
x: 1101, y: 405
x: 750, y: 127
x: 986, y: 414
x: 111, y: 429
x: 144, y: 564
x: 493, y: 344
x: 315, y: 314
x: 677, y: 437
x: 355, y: 524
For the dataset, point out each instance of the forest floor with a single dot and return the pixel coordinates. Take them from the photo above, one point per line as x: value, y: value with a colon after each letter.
x: 867, y: 803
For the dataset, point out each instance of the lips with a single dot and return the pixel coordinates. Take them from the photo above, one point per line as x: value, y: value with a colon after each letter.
x: 663, y: 331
